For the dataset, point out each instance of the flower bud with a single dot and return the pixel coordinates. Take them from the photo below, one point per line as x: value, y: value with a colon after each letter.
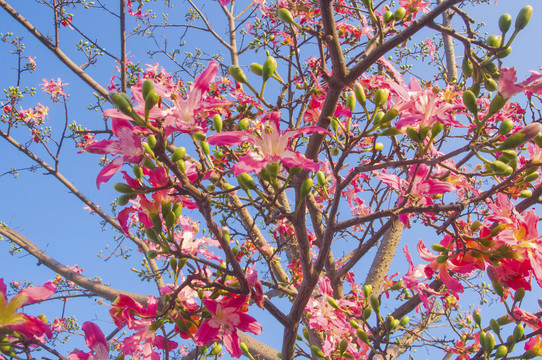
x: 404, y: 320
x: 246, y: 182
x: 122, y: 102
x: 351, y: 101
x: 399, y: 14
x: 138, y: 171
x: 333, y: 303
x: 375, y: 303
x: 502, y: 351
x: 495, y: 326
x: 506, y: 126
x: 217, y: 122
x: 362, y: 335
x: 467, y: 67
x: 524, y: 194
x: 381, y: 96
x: 389, y: 116
x: 388, y: 16
x: 469, y: 99
x: 256, y: 69
x: 286, y: 16
x: 237, y: 74
x: 317, y: 351
x: 367, y: 313
x: 490, y: 342
x: 216, y: 350
x: 243, y: 124
x: 305, y: 333
x: 496, y: 104
x: 306, y: 188
x: 147, y: 87
x: 244, y: 347
x: 504, y: 22
x: 321, y: 178
x: 123, y: 188
x: 269, y: 68
x: 152, y: 235
x: 199, y: 136
x: 360, y: 94
x: 204, y: 147
x: 178, y: 154
x: 490, y: 84
x: 124, y: 199
x: 500, y: 168
x: 477, y: 318
x: 524, y: 17
x: 493, y: 40
x: 343, y: 345
x: 518, y: 332
x: 152, y: 99
x: 367, y: 290
x: 520, y: 294
x: 151, y: 254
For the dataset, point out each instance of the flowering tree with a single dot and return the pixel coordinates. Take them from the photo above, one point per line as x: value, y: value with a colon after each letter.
x: 290, y: 181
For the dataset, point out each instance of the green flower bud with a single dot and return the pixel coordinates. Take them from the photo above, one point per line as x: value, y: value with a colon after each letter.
x: 490, y: 342
x: 256, y: 69
x: 246, y: 182
x: 360, y: 94
x: 351, y: 101
x: 173, y: 263
x: 524, y: 17
x: 354, y: 324
x: 524, y: 194
x: 502, y: 351
x: 305, y: 333
x: 124, y: 199
x: 531, y: 177
x: 508, y: 156
x: 362, y: 335
x: 237, y: 74
x: 378, y: 146
x: 496, y: 104
x: 269, y: 67
x: 243, y: 124
x: 389, y: 116
x: 504, y: 22
x: 520, y: 294
x: 244, y: 347
x: 333, y: 303
x: 151, y: 140
x: 199, y: 136
x: 413, y: 134
x: 152, y: 235
x: 494, y: 40
x: 477, y: 318
x: 390, y: 132
x: 216, y: 350
x: 147, y: 87
x: 399, y: 14
x: 404, y: 320
x: 321, y: 178
x: 500, y: 168
x: 170, y: 220
x: 306, y: 188
x: 436, y: 129
x: 467, y: 67
x: 367, y: 313
x: 317, y: 351
x: 381, y: 96
x: 122, y: 102
x: 518, y: 332
x: 388, y: 16
x: 506, y: 126
x: 495, y: 326
x: 375, y: 303
x: 151, y: 254
x: 204, y: 147
x: 178, y: 154
x: 286, y: 16
x: 138, y: 171
x: 367, y: 290
x: 490, y: 84
x: 152, y: 99
x: 504, y: 53
x: 343, y: 345
x: 469, y: 99
x: 217, y: 122
x: 123, y: 188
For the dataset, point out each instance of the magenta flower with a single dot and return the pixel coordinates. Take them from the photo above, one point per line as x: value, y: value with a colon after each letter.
x: 95, y: 340
x: 271, y: 147
x: 508, y: 87
x: 128, y: 145
x: 227, y: 319
x: 27, y: 325
x: 421, y: 188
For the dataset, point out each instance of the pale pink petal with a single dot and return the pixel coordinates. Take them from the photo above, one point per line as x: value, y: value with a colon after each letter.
x: 250, y: 162
x: 294, y: 159
x: 231, y: 342
x: 248, y: 323
x: 95, y: 340
x: 39, y: 293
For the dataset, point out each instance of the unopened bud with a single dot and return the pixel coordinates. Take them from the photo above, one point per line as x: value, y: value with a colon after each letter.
x: 524, y: 17
x: 504, y: 22
x: 237, y: 74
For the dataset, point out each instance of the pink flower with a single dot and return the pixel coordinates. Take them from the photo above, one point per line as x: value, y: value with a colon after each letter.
x: 95, y: 340
x: 416, y: 191
x: 227, y: 319
x: 27, y: 325
x: 128, y: 145
x: 508, y: 87
x: 53, y: 88
x: 271, y: 147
